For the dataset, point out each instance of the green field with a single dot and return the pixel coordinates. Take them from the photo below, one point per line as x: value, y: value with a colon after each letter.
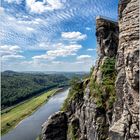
x: 12, y: 117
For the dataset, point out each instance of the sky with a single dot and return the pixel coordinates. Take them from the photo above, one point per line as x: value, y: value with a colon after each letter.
x: 51, y: 35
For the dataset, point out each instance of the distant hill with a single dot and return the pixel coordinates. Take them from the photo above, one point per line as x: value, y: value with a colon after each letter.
x: 19, y: 86
x: 67, y: 74
x: 16, y: 87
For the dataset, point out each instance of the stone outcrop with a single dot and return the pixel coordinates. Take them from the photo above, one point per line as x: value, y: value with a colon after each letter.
x: 91, y: 113
x: 125, y: 119
x: 92, y: 121
x: 55, y: 128
x: 107, y: 39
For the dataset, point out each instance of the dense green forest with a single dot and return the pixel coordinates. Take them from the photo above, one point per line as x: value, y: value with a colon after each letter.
x: 16, y: 87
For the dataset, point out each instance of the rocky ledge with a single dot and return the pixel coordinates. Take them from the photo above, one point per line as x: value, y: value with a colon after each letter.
x: 55, y: 128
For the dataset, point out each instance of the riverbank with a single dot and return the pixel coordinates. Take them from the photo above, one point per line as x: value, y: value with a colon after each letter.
x: 30, y: 127
x: 10, y: 119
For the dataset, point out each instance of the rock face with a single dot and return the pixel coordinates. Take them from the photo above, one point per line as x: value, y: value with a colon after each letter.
x: 107, y: 39
x: 107, y: 36
x: 92, y: 123
x: 55, y: 128
x: 99, y: 117
x: 125, y: 118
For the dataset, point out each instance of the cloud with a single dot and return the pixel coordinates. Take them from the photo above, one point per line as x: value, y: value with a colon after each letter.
x: 40, y: 6
x: 46, y: 5
x: 72, y: 16
x: 65, y: 50
x: 1, y: 10
x: 88, y: 29
x: 29, y: 22
x: 73, y: 36
x: 12, y: 56
x: 91, y: 49
x: 49, y: 46
x: 44, y: 56
x: 15, y: 31
x: 16, y: 1
x: 57, y: 62
x: 49, y: 18
x: 30, y: 29
x: 62, y: 51
x: 9, y: 50
x: 83, y: 57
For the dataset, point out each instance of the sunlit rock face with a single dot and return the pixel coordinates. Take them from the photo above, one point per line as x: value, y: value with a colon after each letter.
x: 125, y: 119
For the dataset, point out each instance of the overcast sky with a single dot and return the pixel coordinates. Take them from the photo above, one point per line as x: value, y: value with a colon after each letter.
x: 51, y: 35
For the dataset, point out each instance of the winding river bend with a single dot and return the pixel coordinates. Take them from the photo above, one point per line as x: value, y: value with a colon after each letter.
x: 30, y: 127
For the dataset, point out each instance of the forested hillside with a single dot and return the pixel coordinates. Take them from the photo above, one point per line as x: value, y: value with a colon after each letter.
x: 17, y: 87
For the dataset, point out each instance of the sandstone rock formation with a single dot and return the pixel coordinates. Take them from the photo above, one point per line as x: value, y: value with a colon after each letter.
x: 125, y: 119
x: 55, y: 128
x: 94, y: 112
x: 107, y: 39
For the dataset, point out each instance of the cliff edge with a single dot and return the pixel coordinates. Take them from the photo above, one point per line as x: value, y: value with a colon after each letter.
x: 125, y: 124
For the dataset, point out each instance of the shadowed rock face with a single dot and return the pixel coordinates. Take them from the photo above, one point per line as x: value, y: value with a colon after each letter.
x: 107, y: 39
x: 55, y: 128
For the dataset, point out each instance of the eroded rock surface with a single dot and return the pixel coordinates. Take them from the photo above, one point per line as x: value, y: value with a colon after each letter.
x: 125, y: 118
x: 107, y: 39
x: 55, y: 128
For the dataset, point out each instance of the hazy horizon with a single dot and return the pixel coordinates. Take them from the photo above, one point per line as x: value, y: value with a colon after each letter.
x: 48, y: 71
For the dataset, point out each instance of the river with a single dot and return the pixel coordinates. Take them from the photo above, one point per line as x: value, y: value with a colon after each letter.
x: 30, y: 127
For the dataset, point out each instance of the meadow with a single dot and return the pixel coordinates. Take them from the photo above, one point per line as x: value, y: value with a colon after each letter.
x: 12, y: 117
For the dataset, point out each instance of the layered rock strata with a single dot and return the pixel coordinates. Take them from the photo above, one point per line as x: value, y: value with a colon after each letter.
x: 125, y: 123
